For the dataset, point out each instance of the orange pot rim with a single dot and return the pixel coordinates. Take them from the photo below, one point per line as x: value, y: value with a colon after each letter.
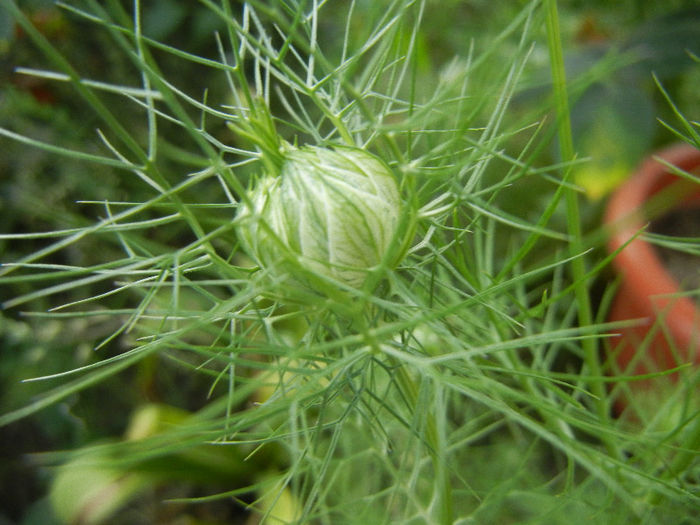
x: 644, y: 275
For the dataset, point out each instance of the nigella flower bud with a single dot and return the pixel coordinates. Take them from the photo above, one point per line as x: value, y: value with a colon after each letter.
x: 331, y: 211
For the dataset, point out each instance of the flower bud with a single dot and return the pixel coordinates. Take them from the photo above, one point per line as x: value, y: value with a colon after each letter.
x: 331, y: 211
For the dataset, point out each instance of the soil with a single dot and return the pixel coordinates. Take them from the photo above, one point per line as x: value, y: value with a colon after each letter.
x: 682, y: 265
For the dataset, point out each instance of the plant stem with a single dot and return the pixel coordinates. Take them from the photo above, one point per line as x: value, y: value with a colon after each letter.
x: 578, y: 264
x: 442, y: 475
x: 433, y: 441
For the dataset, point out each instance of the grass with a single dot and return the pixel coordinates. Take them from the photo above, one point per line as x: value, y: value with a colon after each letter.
x: 468, y: 386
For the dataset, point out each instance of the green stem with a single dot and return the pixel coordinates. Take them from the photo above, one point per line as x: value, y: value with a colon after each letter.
x: 578, y: 264
x: 433, y: 440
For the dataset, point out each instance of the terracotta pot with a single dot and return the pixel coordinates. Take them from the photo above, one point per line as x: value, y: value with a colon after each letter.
x: 668, y: 332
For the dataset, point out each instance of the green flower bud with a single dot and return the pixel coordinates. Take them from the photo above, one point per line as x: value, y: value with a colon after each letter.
x: 331, y: 211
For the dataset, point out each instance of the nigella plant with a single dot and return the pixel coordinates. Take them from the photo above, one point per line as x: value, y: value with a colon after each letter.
x: 331, y: 212
x: 302, y: 247
x: 335, y: 254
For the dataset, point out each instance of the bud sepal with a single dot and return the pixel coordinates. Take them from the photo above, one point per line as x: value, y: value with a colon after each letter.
x: 331, y: 213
